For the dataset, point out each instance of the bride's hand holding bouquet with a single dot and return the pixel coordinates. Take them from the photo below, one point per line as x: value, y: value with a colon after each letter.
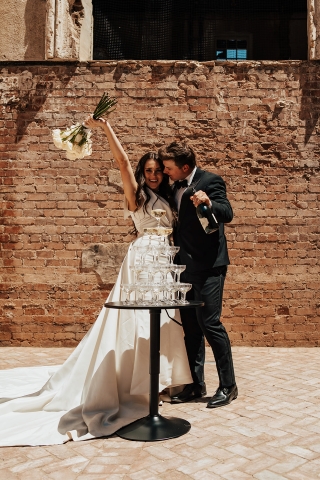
x: 92, y: 123
x: 75, y: 140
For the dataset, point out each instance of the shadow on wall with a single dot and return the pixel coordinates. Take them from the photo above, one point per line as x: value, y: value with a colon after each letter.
x: 33, y: 92
x: 35, y: 29
x: 310, y: 106
x: 104, y: 260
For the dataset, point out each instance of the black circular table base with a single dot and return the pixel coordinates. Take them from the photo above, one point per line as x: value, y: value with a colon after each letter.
x: 154, y: 428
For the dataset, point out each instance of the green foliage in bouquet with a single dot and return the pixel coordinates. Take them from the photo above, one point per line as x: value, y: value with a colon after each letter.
x: 104, y: 106
x: 75, y: 140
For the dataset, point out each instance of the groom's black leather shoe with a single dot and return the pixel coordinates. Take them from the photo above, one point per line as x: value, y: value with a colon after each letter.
x: 223, y: 396
x: 190, y: 392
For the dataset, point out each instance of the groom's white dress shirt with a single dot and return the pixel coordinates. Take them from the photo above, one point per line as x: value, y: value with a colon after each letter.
x: 180, y: 191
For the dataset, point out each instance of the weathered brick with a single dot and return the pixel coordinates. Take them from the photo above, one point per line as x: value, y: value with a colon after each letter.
x: 55, y: 208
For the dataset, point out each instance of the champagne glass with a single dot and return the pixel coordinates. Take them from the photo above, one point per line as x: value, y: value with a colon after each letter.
x: 163, y: 271
x: 141, y: 251
x: 155, y: 274
x: 137, y: 270
x: 174, y: 288
x: 127, y: 289
x: 154, y: 253
x: 160, y: 253
x: 169, y: 291
x: 165, y: 294
x: 167, y: 274
x: 183, y: 288
x: 145, y: 289
x: 158, y: 213
x: 155, y: 291
x: 141, y: 292
x: 171, y: 251
x: 178, y: 269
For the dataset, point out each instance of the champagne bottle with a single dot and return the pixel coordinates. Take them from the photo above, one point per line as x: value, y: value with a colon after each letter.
x: 207, y: 219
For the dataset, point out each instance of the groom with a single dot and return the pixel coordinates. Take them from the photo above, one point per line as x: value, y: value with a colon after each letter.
x: 206, y: 258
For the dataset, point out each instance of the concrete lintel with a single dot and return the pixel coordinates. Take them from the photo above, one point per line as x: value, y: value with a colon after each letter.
x: 69, y: 30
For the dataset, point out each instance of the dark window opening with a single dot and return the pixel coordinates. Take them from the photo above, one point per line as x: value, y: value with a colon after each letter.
x: 200, y: 29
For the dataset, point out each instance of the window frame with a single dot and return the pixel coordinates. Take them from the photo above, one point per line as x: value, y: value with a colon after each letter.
x: 232, y: 35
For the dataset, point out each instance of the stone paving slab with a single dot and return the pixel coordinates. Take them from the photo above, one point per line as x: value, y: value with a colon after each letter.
x: 271, y: 432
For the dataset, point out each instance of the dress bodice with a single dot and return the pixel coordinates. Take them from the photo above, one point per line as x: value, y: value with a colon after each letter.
x: 142, y: 217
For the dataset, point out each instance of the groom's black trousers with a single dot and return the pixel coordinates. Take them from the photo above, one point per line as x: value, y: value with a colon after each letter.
x: 205, y: 321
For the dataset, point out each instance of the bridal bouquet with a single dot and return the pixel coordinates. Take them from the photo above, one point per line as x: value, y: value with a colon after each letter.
x: 75, y: 140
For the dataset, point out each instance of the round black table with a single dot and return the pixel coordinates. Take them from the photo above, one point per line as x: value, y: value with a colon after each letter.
x: 154, y: 426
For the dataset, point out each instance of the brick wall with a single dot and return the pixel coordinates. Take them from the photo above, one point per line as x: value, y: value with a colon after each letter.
x: 255, y: 123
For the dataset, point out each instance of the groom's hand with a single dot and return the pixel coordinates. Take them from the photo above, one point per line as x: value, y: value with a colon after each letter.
x: 200, y: 197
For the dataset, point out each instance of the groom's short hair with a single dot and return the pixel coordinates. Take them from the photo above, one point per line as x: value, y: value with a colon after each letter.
x: 179, y: 152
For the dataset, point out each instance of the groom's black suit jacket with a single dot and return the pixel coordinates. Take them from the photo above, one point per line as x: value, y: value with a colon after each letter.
x: 200, y: 251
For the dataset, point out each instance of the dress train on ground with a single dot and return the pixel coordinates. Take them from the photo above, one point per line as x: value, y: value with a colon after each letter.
x: 101, y: 387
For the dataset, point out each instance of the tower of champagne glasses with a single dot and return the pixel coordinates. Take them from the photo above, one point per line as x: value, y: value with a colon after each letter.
x: 154, y: 277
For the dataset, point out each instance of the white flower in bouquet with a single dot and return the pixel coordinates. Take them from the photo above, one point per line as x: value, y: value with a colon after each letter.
x: 56, y: 134
x: 75, y: 140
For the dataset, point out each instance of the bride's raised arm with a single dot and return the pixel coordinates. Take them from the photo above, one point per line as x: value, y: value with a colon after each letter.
x: 129, y: 182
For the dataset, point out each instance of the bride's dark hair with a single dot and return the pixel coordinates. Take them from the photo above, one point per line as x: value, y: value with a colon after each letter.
x: 164, y: 188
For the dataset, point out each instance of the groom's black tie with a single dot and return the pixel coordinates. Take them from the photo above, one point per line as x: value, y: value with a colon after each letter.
x: 181, y: 184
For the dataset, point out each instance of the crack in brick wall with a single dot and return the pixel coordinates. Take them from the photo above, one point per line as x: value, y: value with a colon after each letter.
x: 254, y: 123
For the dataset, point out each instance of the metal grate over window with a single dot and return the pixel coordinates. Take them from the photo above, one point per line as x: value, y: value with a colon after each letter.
x: 200, y: 29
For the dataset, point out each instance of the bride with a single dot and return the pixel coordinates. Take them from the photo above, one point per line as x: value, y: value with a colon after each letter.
x: 104, y: 384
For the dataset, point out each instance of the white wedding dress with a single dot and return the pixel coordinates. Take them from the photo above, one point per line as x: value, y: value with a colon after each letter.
x: 104, y: 384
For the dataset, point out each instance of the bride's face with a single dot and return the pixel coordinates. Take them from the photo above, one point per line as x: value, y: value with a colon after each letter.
x: 153, y: 174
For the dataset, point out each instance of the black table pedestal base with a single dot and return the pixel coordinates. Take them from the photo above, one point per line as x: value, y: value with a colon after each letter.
x: 153, y: 428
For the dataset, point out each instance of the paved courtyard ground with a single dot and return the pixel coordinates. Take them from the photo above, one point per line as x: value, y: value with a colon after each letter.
x: 271, y: 432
